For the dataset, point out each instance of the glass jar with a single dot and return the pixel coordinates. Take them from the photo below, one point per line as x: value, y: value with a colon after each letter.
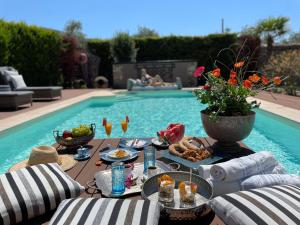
x: 187, y: 191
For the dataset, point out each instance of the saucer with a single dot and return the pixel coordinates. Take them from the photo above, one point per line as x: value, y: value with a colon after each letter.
x: 86, y: 156
x: 159, y: 143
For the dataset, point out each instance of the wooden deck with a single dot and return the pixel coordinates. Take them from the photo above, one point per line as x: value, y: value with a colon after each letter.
x: 84, y: 172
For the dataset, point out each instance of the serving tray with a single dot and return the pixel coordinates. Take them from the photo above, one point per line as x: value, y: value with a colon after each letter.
x: 193, y: 165
x: 103, y: 179
x: 173, y: 210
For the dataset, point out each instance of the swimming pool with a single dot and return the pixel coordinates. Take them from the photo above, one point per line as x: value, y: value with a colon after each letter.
x: 148, y: 112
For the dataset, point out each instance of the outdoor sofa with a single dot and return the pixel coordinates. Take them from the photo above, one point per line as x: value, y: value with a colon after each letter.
x: 14, y: 99
x: 15, y: 80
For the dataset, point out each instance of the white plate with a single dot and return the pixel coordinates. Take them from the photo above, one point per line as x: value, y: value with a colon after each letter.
x: 134, y: 143
x: 159, y: 143
x: 112, y: 154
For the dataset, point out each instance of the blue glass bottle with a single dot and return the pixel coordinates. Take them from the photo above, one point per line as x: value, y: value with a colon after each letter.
x: 118, y: 178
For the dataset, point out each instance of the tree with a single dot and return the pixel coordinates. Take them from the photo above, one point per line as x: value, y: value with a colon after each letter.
x: 73, y: 28
x: 146, y: 32
x: 269, y: 29
x: 272, y: 28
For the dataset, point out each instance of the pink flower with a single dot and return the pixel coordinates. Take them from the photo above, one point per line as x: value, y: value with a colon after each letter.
x: 128, y: 181
x: 198, y: 71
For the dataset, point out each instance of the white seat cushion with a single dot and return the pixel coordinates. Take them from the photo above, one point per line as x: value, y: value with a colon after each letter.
x: 18, y: 81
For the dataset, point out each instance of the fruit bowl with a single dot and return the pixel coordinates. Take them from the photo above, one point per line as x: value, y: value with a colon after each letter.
x: 74, y: 142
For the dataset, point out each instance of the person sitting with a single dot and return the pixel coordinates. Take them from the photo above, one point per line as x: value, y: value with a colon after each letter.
x: 149, y: 80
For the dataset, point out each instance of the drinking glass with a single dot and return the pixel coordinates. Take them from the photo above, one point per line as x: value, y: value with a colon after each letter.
x: 166, y: 191
x: 124, y: 126
x: 108, y: 128
x: 149, y: 158
x: 187, y: 192
x: 118, y: 178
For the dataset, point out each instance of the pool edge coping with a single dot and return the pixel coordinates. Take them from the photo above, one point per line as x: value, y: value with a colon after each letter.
x: 12, y: 121
x: 21, y: 118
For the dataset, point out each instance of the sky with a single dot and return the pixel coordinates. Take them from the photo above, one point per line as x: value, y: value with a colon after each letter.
x: 101, y: 19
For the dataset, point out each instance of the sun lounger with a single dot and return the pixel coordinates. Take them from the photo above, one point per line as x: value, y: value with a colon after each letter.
x: 14, y: 99
x: 16, y: 82
x: 51, y: 92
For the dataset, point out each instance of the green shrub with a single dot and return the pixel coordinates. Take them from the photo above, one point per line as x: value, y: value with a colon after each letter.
x: 122, y: 48
x: 34, y: 52
x: 286, y: 63
x: 4, y: 38
x: 201, y: 49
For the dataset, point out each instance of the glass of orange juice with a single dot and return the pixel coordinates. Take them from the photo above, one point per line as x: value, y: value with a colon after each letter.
x: 124, y: 126
x: 108, y: 128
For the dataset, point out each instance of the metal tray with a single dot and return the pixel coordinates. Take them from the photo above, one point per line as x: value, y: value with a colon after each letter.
x: 173, y: 211
x: 103, y: 179
x: 193, y: 165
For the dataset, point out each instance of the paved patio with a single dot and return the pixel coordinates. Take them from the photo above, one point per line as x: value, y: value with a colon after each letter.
x: 66, y: 94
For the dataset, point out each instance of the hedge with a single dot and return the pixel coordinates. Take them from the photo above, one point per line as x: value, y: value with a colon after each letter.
x: 33, y: 51
x: 201, y: 49
x: 4, y: 37
x: 101, y: 48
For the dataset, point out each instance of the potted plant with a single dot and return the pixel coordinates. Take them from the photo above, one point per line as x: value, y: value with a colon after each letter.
x: 228, y: 117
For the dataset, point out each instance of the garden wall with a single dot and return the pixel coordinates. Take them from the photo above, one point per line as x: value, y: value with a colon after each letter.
x: 33, y: 51
x: 167, y: 69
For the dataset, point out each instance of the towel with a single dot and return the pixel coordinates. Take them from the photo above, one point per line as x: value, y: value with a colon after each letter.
x: 239, y: 168
x: 266, y: 180
x: 221, y: 187
x: 204, y: 171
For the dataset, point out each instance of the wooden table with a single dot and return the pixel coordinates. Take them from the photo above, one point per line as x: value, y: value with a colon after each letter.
x: 84, y: 172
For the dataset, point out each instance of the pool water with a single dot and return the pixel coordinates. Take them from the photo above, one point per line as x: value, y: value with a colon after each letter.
x: 148, y: 113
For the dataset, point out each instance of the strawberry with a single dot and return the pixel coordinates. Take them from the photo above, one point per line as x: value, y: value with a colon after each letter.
x: 104, y: 122
x: 127, y: 119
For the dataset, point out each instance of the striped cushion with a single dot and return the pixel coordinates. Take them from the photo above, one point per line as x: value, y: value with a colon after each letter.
x: 106, y: 211
x: 32, y: 191
x: 266, y: 206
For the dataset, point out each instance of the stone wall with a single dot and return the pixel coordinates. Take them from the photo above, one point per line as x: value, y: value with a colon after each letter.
x: 167, y: 69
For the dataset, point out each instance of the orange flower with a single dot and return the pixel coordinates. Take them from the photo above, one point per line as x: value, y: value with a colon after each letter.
x: 265, y: 80
x: 254, y: 78
x: 232, y: 74
x: 247, y: 84
x: 277, y: 81
x: 232, y: 81
x: 239, y: 64
x: 216, y: 72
